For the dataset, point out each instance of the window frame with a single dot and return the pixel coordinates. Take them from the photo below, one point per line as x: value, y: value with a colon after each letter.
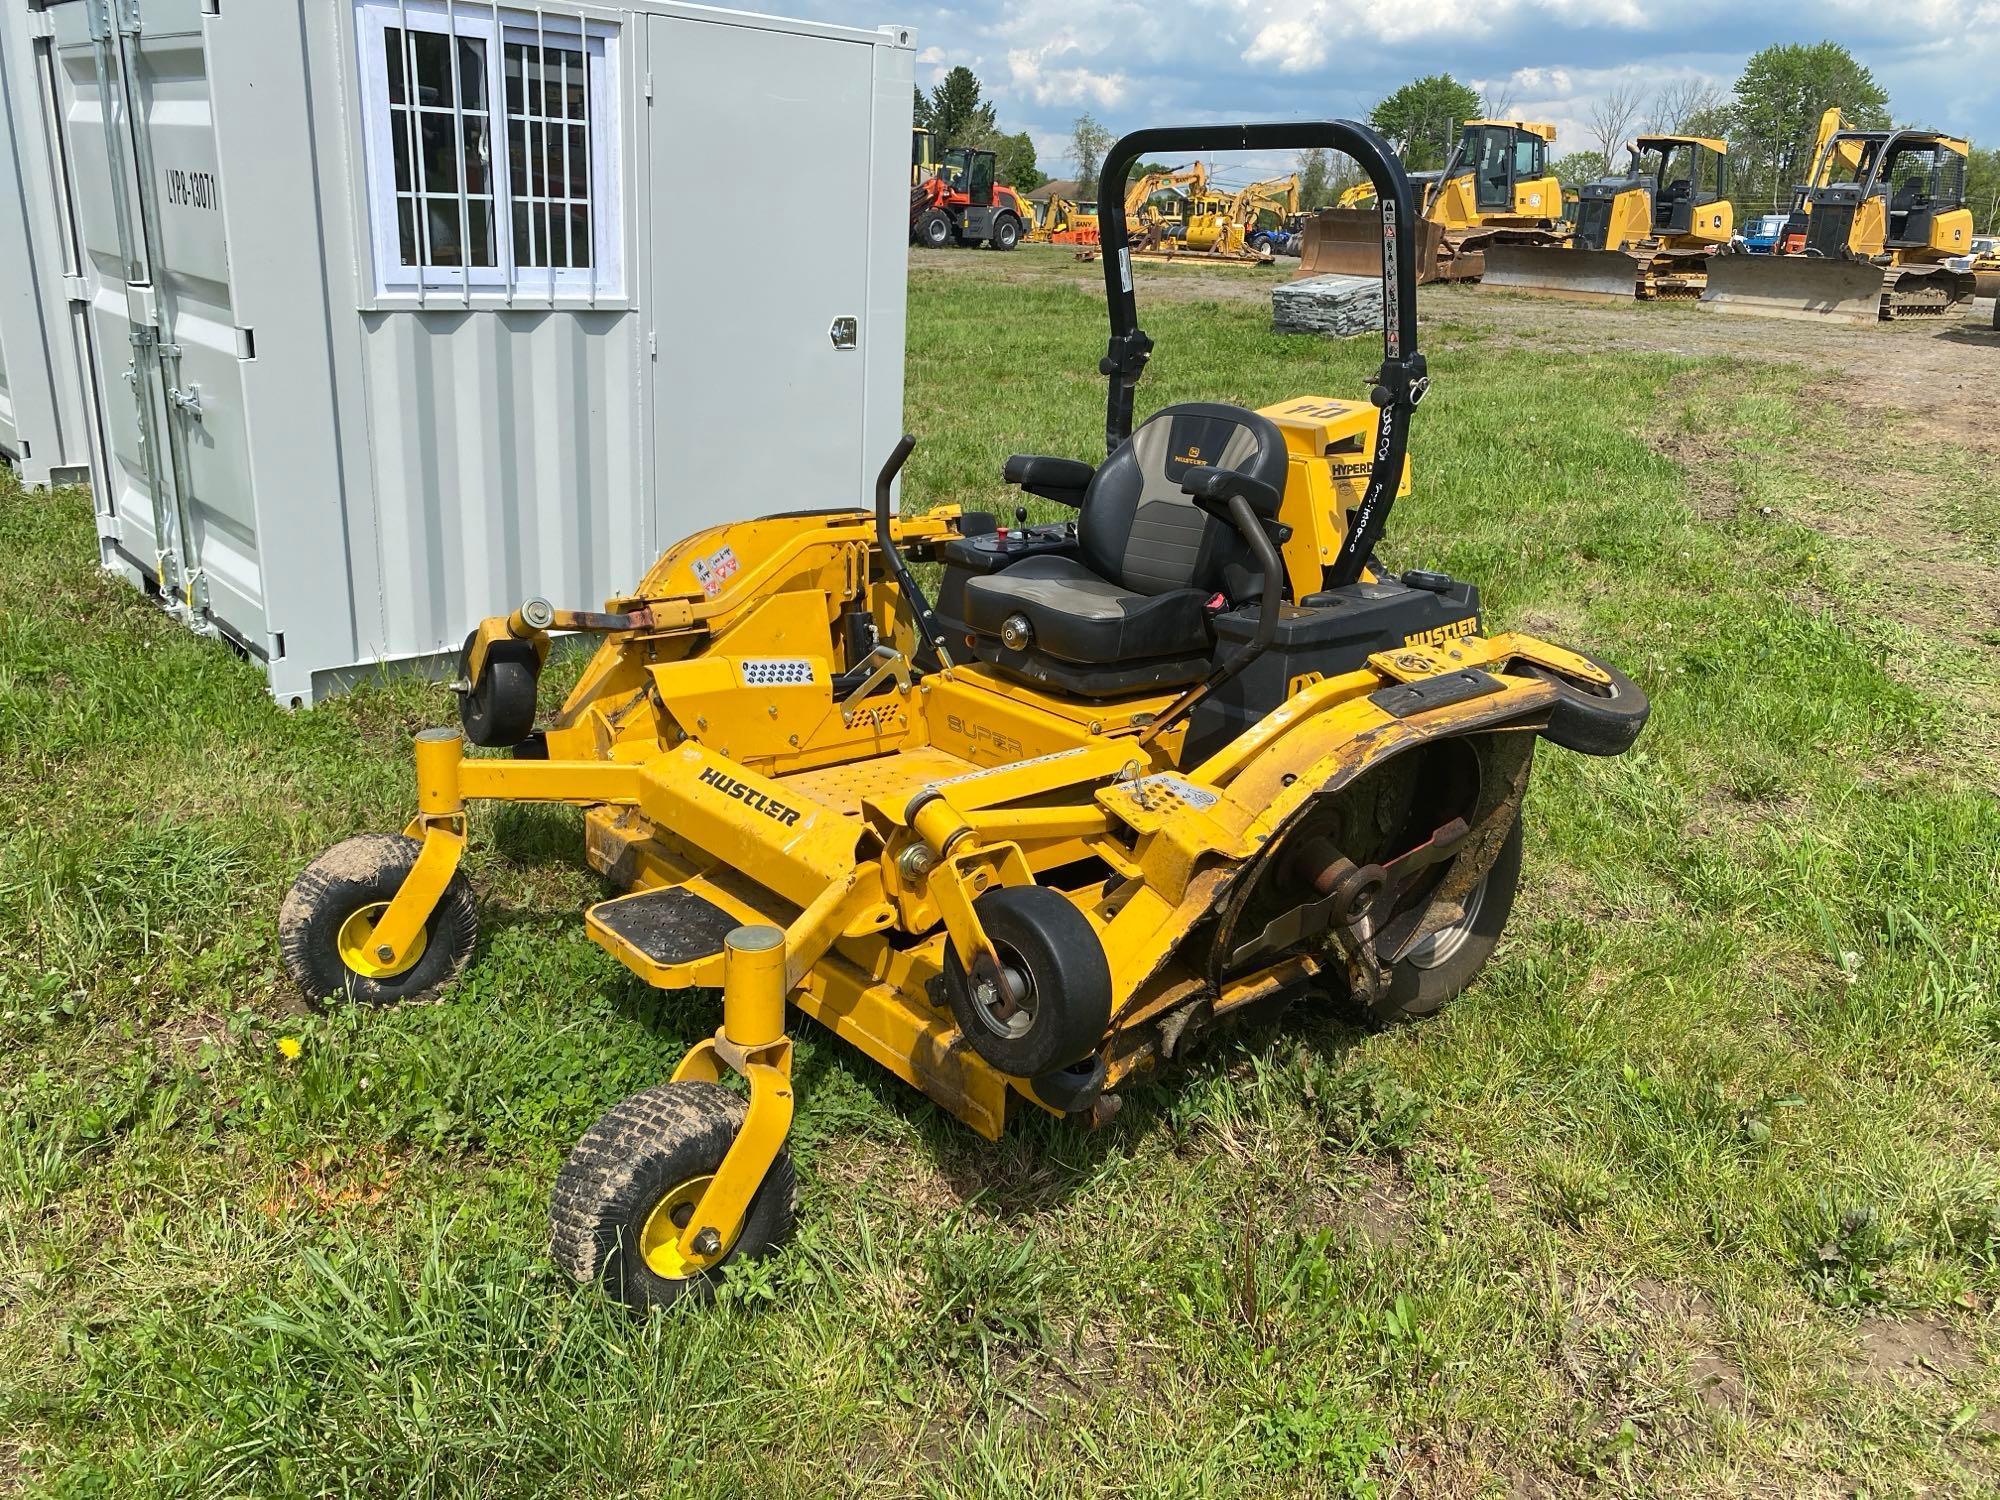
x: 506, y: 282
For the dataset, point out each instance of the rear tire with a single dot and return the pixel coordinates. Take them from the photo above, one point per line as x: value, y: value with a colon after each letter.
x: 1423, y: 982
x: 1006, y: 232
x: 1059, y: 1000
x: 626, y: 1173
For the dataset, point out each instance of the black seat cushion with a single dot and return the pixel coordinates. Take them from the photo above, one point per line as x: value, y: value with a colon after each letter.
x: 1151, y: 559
x: 1139, y: 529
x: 1081, y: 617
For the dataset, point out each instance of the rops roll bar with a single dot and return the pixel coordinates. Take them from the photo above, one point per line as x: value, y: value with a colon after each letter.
x: 1402, y: 381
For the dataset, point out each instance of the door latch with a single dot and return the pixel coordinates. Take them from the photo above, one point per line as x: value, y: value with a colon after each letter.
x: 844, y: 332
x: 188, y: 399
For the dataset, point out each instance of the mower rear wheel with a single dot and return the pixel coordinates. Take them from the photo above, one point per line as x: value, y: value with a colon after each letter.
x: 1594, y: 718
x: 331, y: 911
x: 1438, y: 969
x: 629, y: 1186
x: 498, y: 710
x: 1049, y: 1004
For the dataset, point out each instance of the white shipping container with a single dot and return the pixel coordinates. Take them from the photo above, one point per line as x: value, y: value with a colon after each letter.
x: 399, y: 312
x: 44, y: 433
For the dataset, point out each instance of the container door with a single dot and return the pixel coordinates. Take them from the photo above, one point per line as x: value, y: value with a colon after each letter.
x: 134, y: 109
x: 760, y: 149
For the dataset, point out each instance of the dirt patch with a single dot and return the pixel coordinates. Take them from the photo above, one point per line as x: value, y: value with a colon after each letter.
x: 180, y: 1039
x: 1378, y: 1212
x: 1927, y: 1346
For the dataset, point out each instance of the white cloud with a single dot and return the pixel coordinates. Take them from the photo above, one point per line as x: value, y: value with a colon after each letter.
x: 1030, y: 74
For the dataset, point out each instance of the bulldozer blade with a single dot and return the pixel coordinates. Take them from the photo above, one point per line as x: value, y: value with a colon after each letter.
x: 1986, y: 283
x: 1348, y: 242
x: 1581, y: 275
x: 1795, y: 286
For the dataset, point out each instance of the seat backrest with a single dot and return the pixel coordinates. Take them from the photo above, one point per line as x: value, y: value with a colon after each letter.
x: 1137, y: 527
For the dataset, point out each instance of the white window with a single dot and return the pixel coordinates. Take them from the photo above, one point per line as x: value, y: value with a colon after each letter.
x: 491, y: 141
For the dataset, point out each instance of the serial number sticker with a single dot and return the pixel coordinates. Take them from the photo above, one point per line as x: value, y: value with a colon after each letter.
x: 715, y: 570
x: 1157, y: 791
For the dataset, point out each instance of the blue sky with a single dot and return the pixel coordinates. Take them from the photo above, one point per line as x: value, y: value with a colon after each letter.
x: 1133, y: 63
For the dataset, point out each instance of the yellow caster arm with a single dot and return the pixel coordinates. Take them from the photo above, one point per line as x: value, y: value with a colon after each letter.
x: 752, y: 1042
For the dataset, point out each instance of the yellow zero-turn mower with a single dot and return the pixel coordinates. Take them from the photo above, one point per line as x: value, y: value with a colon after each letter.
x: 1193, y: 750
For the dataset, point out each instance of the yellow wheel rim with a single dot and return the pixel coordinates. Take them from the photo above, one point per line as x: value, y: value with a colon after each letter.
x: 356, y: 942
x: 659, y: 1240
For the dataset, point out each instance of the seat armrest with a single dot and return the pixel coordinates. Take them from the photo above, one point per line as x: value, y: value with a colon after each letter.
x: 1212, y: 489
x: 1062, y: 480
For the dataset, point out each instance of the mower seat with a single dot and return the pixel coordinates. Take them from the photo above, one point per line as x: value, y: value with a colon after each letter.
x: 1152, y: 562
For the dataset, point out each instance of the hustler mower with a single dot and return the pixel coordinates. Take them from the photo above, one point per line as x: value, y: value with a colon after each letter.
x: 1193, y: 751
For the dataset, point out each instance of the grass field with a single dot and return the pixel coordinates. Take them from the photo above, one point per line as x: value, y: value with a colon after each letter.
x: 1696, y: 1192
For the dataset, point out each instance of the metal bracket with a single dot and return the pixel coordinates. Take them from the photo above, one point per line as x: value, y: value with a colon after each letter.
x: 187, y: 398
x: 888, y: 662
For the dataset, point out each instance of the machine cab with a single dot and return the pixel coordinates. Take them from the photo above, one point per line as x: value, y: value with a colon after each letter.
x: 971, y: 173
x: 1891, y: 190
x: 1687, y: 175
x: 1502, y: 157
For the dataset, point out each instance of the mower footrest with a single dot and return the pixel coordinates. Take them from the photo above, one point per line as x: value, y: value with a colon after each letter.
x: 673, y: 936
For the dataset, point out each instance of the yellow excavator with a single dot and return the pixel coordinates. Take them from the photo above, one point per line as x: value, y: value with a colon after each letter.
x: 1880, y: 218
x: 1155, y: 221
x: 1649, y: 231
x: 1064, y: 221
x: 1495, y: 189
x: 1219, y: 225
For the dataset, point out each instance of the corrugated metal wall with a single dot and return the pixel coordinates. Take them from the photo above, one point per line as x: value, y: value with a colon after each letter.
x: 504, y: 463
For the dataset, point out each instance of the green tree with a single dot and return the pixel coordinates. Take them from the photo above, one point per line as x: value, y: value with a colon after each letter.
x: 957, y: 116
x: 1315, y: 169
x: 920, y: 112
x: 1088, y: 141
x: 1780, y: 97
x: 1422, y: 118
x: 1014, y: 162
x: 1578, y: 167
x: 1982, y: 191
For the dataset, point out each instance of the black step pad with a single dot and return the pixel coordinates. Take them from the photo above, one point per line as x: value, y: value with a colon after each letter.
x: 671, y: 926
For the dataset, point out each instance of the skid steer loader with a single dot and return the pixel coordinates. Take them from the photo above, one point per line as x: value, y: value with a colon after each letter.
x: 1194, y: 752
x: 1648, y: 232
x: 1496, y: 189
x: 1884, y: 211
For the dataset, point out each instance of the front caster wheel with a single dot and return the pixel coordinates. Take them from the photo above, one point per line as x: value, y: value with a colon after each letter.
x: 1049, y: 1004
x: 330, y: 914
x: 625, y: 1194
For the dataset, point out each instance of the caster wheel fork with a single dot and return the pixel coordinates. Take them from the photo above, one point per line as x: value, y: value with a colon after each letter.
x: 674, y: 1182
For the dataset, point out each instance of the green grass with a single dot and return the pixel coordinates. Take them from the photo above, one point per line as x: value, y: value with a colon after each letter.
x: 1663, y: 1205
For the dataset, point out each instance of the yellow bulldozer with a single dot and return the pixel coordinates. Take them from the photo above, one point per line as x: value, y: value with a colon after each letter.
x: 1647, y: 232
x: 1880, y: 217
x: 1495, y: 189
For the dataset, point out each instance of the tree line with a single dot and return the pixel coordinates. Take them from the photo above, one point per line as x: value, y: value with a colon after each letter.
x: 1769, y: 119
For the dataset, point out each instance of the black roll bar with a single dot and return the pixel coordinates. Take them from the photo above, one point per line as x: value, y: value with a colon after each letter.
x: 1402, y: 381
